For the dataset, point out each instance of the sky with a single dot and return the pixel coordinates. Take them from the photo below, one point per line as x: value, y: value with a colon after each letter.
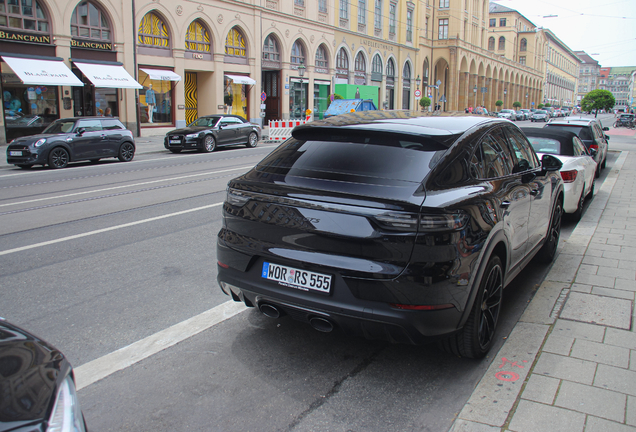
x: 604, y: 29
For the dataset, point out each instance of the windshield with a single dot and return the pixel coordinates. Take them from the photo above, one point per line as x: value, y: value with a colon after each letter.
x: 540, y: 112
x: 206, y: 121
x: 60, y: 126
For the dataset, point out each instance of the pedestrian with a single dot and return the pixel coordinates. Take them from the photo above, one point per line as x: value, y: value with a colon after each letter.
x: 108, y: 112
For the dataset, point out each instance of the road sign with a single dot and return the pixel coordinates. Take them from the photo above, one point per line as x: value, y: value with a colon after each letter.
x: 263, y: 96
x: 484, y: 89
x: 418, y: 93
x: 442, y: 99
x: 438, y: 82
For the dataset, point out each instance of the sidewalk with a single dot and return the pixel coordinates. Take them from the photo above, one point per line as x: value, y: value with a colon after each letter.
x: 569, y: 364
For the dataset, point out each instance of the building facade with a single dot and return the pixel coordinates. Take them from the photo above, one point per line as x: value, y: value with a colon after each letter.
x: 562, y: 72
x: 589, y: 75
x: 619, y: 81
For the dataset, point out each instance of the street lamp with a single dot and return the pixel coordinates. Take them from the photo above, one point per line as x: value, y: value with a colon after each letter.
x: 526, y: 100
x: 505, y: 93
x: 418, y: 81
x: 301, y: 72
x: 475, y: 92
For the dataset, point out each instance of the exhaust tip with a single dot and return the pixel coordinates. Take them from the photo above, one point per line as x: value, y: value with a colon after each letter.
x: 269, y: 310
x: 321, y: 324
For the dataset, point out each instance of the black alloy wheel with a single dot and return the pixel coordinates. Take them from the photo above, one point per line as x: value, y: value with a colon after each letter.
x: 547, y: 253
x: 579, y: 208
x: 477, y: 336
x: 126, y: 152
x: 58, y: 158
x: 209, y: 144
x: 252, y: 140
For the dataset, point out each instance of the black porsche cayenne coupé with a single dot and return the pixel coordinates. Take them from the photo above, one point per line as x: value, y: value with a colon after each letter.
x: 391, y: 226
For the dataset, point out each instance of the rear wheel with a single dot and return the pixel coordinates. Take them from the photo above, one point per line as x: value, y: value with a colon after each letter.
x: 604, y: 163
x: 58, y: 158
x: 478, y: 334
x: 579, y: 208
x: 126, y: 152
x: 590, y: 194
x: 252, y: 140
x: 209, y: 144
x: 547, y: 253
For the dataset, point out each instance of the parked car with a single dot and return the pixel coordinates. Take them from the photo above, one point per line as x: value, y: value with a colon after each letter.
x: 540, y: 115
x: 37, y: 383
x: 71, y: 140
x: 527, y: 112
x: 507, y: 114
x: 591, y: 133
x: 391, y: 226
x: 520, y: 115
x: 207, y: 133
x: 579, y: 167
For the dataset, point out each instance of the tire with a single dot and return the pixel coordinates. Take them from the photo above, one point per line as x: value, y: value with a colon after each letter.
x: 604, y: 163
x: 252, y: 140
x: 616, y: 124
x: 590, y: 194
x: 126, y: 152
x: 58, y: 158
x: 547, y: 253
x: 175, y: 150
x: 94, y: 160
x: 209, y: 144
x: 579, y: 208
x: 478, y: 334
x: 597, y: 174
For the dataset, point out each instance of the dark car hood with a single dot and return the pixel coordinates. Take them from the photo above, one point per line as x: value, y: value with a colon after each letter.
x: 33, y: 138
x: 30, y: 372
x: 189, y: 130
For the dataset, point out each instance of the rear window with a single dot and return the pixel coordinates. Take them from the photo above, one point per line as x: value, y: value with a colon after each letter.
x: 379, y: 157
x: 583, y: 132
x: 540, y: 112
x: 545, y: 145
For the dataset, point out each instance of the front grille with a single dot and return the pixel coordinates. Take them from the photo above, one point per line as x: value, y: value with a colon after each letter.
x: 175, y: 140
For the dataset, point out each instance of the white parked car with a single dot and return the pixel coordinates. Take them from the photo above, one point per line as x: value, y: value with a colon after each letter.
x: 507, y: 114
x: 579, y: 168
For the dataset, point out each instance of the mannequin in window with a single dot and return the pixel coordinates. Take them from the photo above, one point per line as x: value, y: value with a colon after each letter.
x: 151, y: 102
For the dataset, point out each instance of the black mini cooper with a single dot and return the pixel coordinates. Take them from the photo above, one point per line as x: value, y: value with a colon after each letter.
x: 73, y: 139
x: 391, y: 226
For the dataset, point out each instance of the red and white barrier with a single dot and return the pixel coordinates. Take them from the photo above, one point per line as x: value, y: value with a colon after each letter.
x: 280, y: 130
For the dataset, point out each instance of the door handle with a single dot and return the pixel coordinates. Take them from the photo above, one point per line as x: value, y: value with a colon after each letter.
x: 505, y: 204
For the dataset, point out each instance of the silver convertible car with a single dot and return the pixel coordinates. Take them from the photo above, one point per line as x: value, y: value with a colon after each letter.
x: 207, y: 133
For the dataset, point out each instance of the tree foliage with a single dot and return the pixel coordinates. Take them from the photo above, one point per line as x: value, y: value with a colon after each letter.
x: 540, y: 106
x: 548, y: 105
x: 598, y: 100
x: 425, y: 102
x: 516, y: 104
x: 499, y: 103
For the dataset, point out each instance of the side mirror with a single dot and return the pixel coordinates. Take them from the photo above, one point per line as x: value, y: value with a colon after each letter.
x: 605, y: 128
x: 593, y: 152
x: 80, y: 131
x: 607, y: 137
x: 550, y: 163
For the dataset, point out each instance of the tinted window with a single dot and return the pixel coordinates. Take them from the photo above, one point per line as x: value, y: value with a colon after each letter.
x: 579, y: 147
x: 378, y: 157
x: 205, y: 121
x: 90, y: 125
x: 583, y: 132
x: 60, y: 126
x: 521, y: 150
x: 495, y: 157
x: 112, y: 125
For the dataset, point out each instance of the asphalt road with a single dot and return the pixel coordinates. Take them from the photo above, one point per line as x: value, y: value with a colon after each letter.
x: 98, y: 257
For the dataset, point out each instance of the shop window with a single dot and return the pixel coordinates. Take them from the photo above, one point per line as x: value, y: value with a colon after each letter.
x: 198, y: 38
x: 235, y: 51
x: 235, y: 98
x: 153, y: 32
x: 89, y: 22
x: 23, y: 15
x: 161, y: 93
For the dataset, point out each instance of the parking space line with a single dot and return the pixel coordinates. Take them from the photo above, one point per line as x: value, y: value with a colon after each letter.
x: 103, y: 230
x: 102, y: 367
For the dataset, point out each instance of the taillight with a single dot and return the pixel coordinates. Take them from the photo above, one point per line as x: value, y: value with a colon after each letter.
x: 569, y: 176
x: 425, y: 222
x: 236, y: 197
x: 594, y: 146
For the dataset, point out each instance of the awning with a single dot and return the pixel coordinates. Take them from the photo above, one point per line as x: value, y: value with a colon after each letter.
x: 109, y: 76
x: 161, y: 75
x: 42, y: 72
x: 240, y: 79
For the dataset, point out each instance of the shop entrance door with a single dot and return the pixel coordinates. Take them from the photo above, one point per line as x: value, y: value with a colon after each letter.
x: 191, y: 98
x: 84, y: 99
x: 271, y: 87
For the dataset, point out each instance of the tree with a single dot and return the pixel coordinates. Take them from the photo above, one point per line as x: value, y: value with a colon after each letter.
x: 425, y: 102
x: 598, y: 100
x: 516, y: 104
x: 540, y: 106
x: 498, y: 104
x: 547, y: 105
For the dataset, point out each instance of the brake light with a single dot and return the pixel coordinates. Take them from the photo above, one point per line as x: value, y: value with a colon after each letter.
x: 421, y: 307
x: 569, y: 176
x: 427, y: 222
x: 594, y: 146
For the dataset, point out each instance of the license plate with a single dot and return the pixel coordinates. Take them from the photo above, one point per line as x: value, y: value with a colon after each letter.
x: 175, y: 141
x: 295, y: 278
x: 15, y: 153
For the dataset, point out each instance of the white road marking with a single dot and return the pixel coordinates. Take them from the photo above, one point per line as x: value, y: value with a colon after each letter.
x: 103, y: 230
x: 102, y: 367
x: 127, y: 186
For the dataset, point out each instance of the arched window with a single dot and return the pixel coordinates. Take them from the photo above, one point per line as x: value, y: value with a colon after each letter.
x: 491, y: 43
x: 360, y: 69
x: 197, y: 38
x: 322, y: 61
x: 376, y: 68
x: 22, y: 15
x: 390, y: 69
x: 89, y: 22
x: 502, y: 43
x: 390, y: 85
x: 425, y: 80
x: 342, y: 60
x: 270, y: 49
x: 523, y: 46
x: 406, y: 86
x: 153, y: 32
x: 235, y: 44
x: 298, y: 53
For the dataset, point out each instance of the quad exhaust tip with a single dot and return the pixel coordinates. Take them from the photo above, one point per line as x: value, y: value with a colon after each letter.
x: 270, y: 310
x: 321, y: 324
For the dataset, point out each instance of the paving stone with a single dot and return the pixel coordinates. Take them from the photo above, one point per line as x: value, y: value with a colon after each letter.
x: 609, y: 292
x: 601, y: 353
x: 621, y: 338
x: 604, y: 247
x: 558, y: 344
x: 581, y: 288
x: 623, y: 264
x: 567, y: 368
x: 535, y: 417
x: 596, y: 253
x: 617, y: 273
x: 600, y: 261
x: 616, y: 379
x: 587, y: 269
x: 469, y: 426
x: 539, y: 310
x: 591, y: 400
x: 607, y: 311
x: 617, y: 255
x: 579, y: 330
x: 632, y: 362
x: 605, y: 281
x: 565, y: 267
x: 630, y: 413
x: 541, y: 389
x: 625, y: 285
x: 595, y: 424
